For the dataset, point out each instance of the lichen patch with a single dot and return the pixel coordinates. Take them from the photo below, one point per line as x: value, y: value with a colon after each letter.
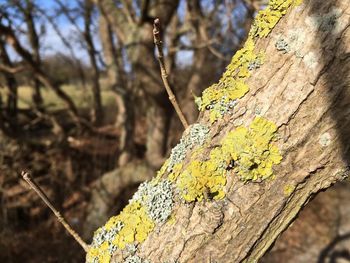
x: 157, y: 198
x: 267, y: 19
x: 250, y: 152
x: 221, y: 97
x: 325, y: 139
x: 195, y: 136
x: 326, y: 22
x: 133, y: 225
x: 252, y: 149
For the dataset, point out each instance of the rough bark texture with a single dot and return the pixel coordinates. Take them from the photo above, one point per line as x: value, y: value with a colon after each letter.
x: 303, y: 87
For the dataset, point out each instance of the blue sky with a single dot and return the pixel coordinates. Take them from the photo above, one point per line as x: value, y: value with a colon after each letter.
x: 52, y: 44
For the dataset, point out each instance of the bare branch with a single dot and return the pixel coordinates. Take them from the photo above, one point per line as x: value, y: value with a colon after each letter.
x: 58, y: 215
x: 172, y: 98
x: 12, y: 70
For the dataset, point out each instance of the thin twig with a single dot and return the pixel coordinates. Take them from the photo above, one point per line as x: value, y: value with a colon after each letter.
x: 172, y: 98
x: 58, y: 215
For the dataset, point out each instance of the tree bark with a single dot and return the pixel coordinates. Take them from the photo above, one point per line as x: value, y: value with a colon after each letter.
x: 303, y: 88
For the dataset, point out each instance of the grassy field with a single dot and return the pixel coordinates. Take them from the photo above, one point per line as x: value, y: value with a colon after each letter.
x: 81, y: 97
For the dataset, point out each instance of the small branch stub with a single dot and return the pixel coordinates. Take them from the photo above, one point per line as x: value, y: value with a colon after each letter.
x: 58, y: 215
x: 172, y: 98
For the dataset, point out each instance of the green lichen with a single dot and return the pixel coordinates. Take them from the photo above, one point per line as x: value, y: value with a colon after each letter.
x: 252, y: 149
x: 136, y: 225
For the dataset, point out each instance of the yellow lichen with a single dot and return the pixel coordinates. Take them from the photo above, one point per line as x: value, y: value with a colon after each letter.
x: 252, y: 149
x: 171, y: 220
x: 267, y: 19
x: 101, y: 254
x: 288, y: 189
x: 162, y: 170
x: 136, y: 227
x: 200, y: 178
x: 232, y: 85
x: 175, y: 172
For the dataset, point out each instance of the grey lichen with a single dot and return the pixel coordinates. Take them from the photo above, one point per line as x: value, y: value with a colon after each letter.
x: 292, y: 42
x: 255, y: 64
x: 195, y: 136
x: 131, y: 248
x: 224, y: 106
x: 311, y: 60
x: 325, y: 139
x: 102, y: 235
x: 282, y: 45
x: 157, y: 198
x: 136, y: 259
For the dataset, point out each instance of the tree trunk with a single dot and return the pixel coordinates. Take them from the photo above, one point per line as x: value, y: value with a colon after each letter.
x: 11, y: 83
x: 117, y: 81
x: 33, y: 38
x: 135, y: 33
x: 97, y: 112
x: 279, y: 131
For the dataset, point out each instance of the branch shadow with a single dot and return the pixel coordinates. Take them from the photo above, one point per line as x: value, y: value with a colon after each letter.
x: 331, y: 40
x: 332, y: 253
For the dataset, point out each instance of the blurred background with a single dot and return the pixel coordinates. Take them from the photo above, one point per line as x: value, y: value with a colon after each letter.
x: 83, y: 108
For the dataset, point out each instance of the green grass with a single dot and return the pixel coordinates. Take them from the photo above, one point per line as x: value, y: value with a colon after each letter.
x: 80, y: 96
